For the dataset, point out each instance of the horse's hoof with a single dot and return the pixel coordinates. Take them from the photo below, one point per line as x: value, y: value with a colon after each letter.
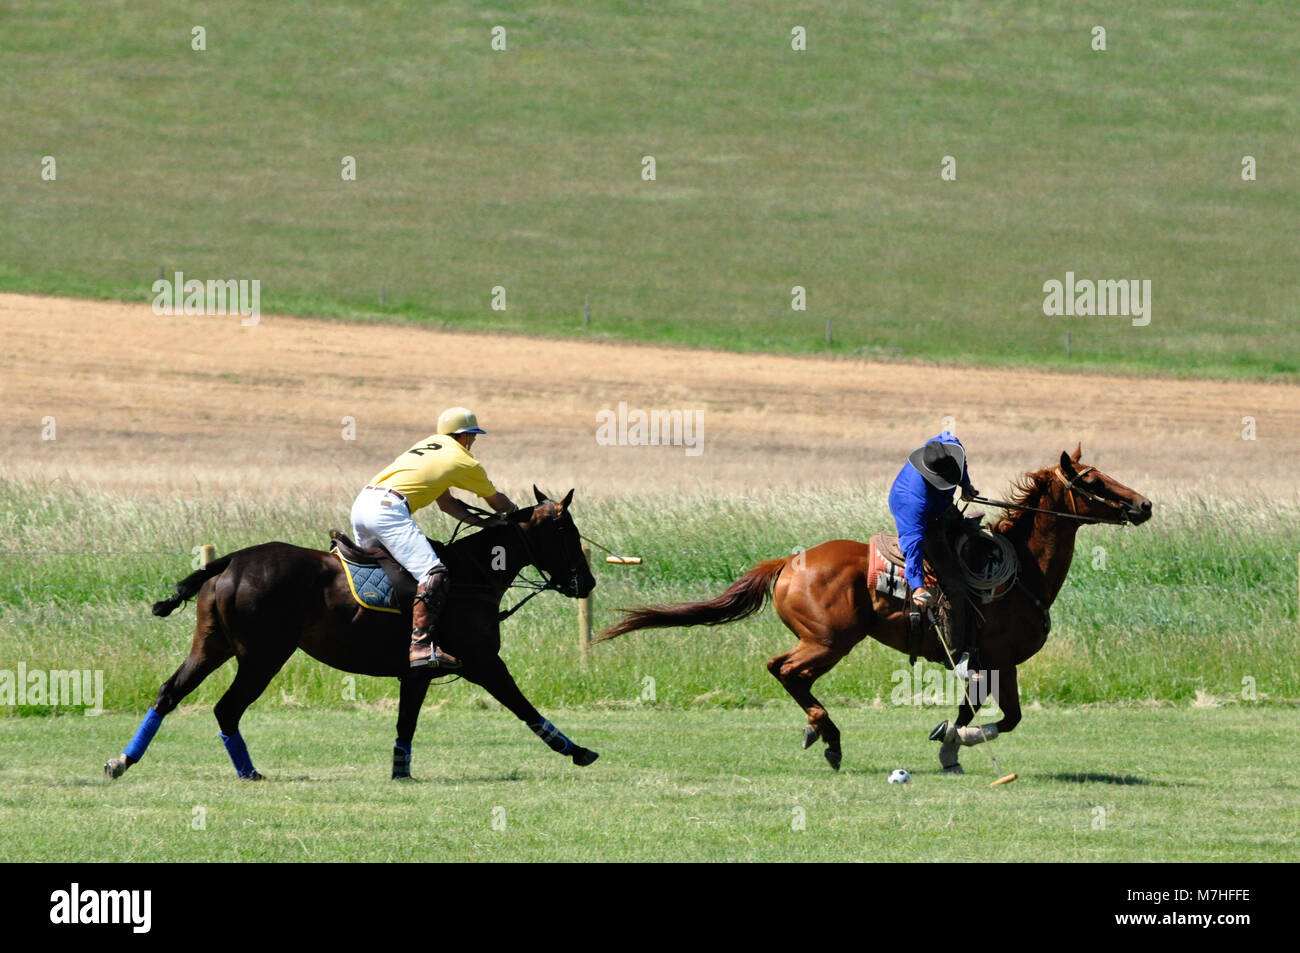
x: 833, y: 757
x: 115, y: 768
x: 584, y: 756
x: 809, y: 737
x: 254, y: 776
x: 953, y: 770
x: 939, y: 731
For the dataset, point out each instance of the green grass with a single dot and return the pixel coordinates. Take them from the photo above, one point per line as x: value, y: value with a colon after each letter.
x: 775, y: 169
x: 1197, y: 601
x: 1169, y: 784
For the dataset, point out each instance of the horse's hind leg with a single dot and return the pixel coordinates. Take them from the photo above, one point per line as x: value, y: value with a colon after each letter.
x: 414, y: 688
x: 796, y: 670
x: 208, y: 652
x: 254, y: 674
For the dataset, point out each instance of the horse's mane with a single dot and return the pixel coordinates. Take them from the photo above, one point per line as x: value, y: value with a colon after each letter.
x: 1022, y: 490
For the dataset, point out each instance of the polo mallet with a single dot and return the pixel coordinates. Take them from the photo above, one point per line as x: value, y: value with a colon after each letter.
x: 965, y: 687
x: 613, y: 557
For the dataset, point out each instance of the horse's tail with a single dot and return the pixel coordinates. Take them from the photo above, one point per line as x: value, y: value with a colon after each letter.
x: 189, y: 587
x: 743, y: 598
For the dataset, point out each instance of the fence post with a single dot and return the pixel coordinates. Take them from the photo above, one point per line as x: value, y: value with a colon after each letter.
x: 584, y: 616
x: 207, y: 553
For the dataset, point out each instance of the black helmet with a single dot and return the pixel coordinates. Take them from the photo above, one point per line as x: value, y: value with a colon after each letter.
x: 940, y: 463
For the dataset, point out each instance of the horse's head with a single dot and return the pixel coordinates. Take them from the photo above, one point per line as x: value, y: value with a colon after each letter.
x: 556, y: 546
x: 1090, y: 493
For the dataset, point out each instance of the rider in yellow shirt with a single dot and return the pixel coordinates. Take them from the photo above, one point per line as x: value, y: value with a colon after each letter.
x: 422, y: 475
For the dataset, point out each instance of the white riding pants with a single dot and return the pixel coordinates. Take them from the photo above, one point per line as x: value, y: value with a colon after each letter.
x: 381, y: 516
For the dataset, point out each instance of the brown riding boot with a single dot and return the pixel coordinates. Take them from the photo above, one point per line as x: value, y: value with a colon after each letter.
x: 430, y: 596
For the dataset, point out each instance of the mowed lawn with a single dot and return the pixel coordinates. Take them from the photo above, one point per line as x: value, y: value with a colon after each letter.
x: 1096, y: 784
x: 774, y: 168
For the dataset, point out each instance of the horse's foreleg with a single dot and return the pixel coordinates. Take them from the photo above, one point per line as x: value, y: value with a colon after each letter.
x: 952, y: 733
x: 414, y: 689
x: 1007, y: 692
x: 497, y: 680
x: 1001, y: 683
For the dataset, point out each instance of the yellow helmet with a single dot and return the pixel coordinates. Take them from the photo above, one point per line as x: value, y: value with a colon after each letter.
x: 456, y: 420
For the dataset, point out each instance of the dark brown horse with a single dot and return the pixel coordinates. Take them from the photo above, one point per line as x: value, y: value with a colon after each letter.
x: 260, y: 604
x: 822, y: 596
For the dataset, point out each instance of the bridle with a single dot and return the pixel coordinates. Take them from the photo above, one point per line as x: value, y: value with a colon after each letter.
x: 548, y: 582
x: 1072, y: 488
x: 1088, y: 494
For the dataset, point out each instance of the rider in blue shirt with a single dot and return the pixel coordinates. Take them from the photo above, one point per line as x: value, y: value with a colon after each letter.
x: 920, y: 498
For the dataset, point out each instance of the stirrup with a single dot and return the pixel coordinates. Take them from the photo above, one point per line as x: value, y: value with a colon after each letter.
x: 436, y: 659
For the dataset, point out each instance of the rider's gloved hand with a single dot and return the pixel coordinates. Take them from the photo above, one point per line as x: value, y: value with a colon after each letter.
x: 922, y: 598
x: 968, y: 493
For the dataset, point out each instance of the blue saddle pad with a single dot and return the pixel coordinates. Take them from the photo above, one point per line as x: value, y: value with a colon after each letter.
x: 370, y: 586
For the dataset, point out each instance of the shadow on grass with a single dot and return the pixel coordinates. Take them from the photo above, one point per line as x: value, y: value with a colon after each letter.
x: 1091, y: 777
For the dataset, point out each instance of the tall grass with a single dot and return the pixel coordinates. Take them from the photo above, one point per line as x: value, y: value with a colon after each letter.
x: 1195, y: 601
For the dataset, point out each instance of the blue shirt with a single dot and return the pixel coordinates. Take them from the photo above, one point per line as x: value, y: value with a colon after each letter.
x: 914, y: 501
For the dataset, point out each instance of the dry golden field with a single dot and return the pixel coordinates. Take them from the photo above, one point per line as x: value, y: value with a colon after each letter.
x: 201, y: 405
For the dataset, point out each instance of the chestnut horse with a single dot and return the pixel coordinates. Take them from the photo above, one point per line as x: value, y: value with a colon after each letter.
x: 262, y: 603
x: 822, y: 597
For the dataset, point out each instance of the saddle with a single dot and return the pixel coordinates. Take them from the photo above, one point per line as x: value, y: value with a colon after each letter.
x: 376, y: 579
x: 966, y: 543
x: 887, y: 554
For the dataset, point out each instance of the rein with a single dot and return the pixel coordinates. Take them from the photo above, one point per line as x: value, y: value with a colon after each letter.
x: 535, y: 587
x: 1069, y: 485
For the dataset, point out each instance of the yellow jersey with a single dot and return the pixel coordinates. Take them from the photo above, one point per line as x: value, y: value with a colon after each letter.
x: 430, y: 468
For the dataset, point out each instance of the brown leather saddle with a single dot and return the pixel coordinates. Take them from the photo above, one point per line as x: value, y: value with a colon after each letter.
x: 887, y: 543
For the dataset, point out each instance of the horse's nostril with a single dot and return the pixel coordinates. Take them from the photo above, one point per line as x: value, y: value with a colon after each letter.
x: 1146, y: 506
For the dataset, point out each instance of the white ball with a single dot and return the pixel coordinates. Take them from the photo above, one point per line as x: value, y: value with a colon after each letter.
x: 899, y: 776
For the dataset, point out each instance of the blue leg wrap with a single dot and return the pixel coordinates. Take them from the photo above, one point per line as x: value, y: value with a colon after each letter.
x: 552, y: 736
x: 404, y: 745
x: 238, y: 752
x: 143, y: 735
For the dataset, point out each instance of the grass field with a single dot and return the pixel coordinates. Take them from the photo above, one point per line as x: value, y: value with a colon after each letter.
x: 775, y: 168
x: 1191, y: 604
x: 1096, y: 784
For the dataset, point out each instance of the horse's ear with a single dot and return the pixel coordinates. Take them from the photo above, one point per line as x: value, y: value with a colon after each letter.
x: 1067, y: 466
x: 541, y: 497
x: 1078, y: 452
x: 568, y: 498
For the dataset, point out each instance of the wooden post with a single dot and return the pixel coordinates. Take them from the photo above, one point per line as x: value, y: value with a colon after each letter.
x: 828, y: 332
x: 207, y: 553
x: 584, y: 616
